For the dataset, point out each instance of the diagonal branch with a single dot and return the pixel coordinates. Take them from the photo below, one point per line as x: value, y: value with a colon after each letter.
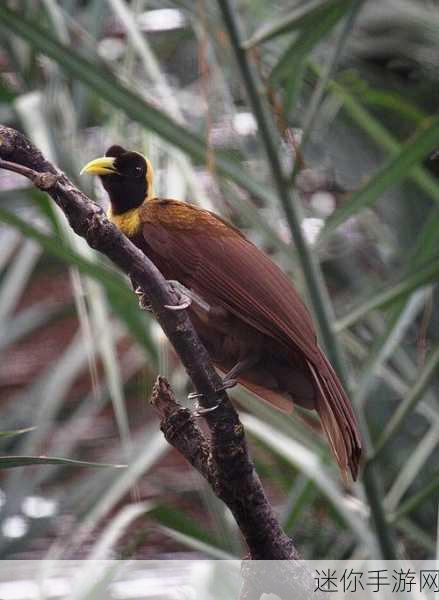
x: 235, y: 480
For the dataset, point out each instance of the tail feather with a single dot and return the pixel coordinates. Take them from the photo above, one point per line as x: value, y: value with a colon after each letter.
x: 337, y: 417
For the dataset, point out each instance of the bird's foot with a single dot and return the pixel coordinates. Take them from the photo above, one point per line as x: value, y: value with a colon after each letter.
x: 144, y: 303
x: 199, y: 410
x: 183, y: 295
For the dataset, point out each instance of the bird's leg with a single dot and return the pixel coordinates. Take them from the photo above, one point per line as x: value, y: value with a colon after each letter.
x: 229, y: 381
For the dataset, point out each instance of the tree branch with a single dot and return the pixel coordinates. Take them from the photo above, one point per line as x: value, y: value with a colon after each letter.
x: 180, y: 429
x: 224, y: 459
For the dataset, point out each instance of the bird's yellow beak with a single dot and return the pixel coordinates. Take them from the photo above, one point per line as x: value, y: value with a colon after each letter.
x: 100, y: 166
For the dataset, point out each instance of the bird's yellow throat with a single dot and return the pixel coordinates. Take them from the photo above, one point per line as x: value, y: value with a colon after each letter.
x: 128, y: 222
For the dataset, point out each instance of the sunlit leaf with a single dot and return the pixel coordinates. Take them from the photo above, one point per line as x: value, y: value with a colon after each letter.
x: 417, y: 499
x: 122, y: 299
x: 306, y: 15
x: 304, y: 43
x: 312, y: 467
x: 106, y: 85
x: 13, y: 433
x: 395, y: 171
x: 9, y: 462
x: 423, y: 276
x: 413, y: 397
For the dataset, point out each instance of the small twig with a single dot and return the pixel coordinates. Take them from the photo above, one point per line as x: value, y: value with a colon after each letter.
x: 180, y: 429
x: 43, y: 181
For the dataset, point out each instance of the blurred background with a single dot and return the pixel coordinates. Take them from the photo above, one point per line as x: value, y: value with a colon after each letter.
x: 350, y: 90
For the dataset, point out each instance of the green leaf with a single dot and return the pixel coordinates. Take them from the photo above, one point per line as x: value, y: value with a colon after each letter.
x: 304, y: 499
x: 396, y: 170
x: 117, y: 526
x: 13, y: 433
x: 378, y: 133
x: 195, y: 544
x: 310, y: 464
x: 103, y: 494
x: 10, y: 462
x: 56, y: 247
x: 393, y: 102
x: 108, y: 87
x: 427, y: 242
x: 122, y: 299
x: 422, y: 276
x: 419, y: 535
x: 307, y: 15
x: 7, y: 95
x: 417, y: 499
x: 291, y: 65
x: 309, y: 37
x: 173, y: 518
x: 409, y: 403
x: 385, y: 343
x: 46, y: 208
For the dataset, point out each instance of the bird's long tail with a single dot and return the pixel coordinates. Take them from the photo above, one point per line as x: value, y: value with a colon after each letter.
x: 337, y: 417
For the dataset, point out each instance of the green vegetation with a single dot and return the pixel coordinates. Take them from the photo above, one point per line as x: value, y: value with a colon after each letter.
x: 315, y: 136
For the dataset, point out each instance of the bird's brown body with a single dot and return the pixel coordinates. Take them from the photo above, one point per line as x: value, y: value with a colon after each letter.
x: 254, y: 317
x: 233, y: 277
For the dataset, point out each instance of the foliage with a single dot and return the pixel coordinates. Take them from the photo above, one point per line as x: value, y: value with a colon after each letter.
x: 316, y: 141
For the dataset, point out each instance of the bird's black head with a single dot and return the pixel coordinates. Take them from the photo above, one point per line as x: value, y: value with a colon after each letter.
x: 126, y: 176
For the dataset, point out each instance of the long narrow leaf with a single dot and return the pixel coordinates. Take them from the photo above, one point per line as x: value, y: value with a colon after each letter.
x: 14, y: 432
x: 412, y: 467
x: 308, y: 38
x: 54, y: 246
x: 396, y: 170
x: 105, y: 84
x: 197, y: 545
x: 410, y: 401
x: 300, y: 17
x: 386, y: 343
x: 9, y: 462
x: 417, y: 499
x: 414, y: 280
x: 312, y: 467
x: 123, y: 301
x: 379, y: 134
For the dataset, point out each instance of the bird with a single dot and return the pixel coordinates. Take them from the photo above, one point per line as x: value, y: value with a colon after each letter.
x: 247, y: 312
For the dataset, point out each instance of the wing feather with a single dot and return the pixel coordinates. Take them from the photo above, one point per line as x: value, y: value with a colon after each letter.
x: 222, y: 264
x: 216, y: 261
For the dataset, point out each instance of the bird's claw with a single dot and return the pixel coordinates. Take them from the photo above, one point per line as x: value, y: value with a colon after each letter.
x: 144, y: 304
x: 182, y: 306
x: 184, y: 301
x: 200, y: 411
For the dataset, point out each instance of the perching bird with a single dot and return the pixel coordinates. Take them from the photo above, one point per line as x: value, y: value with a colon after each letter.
x: 246, y: 311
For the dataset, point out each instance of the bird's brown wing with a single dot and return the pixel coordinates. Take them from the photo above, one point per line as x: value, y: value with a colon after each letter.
x: 215, y: 260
